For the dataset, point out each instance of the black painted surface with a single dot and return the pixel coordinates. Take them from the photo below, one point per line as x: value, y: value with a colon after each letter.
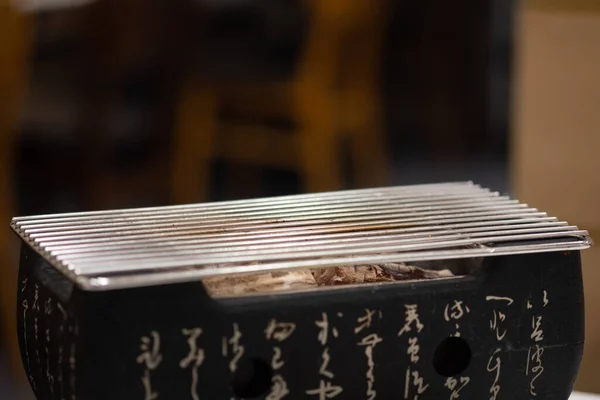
x: 95, y: 347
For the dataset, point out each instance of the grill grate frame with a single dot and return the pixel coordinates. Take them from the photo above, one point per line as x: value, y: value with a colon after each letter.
x: 139, y: 247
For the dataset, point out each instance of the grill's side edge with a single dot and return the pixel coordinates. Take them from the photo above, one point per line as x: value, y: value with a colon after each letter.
x: 48, y: 328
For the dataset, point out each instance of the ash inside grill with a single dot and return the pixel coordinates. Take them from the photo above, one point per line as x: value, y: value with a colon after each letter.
x: 301, y: 279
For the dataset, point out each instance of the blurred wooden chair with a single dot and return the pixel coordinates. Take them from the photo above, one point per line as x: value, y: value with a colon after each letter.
x: 14, y: 50
x: 323, y: 107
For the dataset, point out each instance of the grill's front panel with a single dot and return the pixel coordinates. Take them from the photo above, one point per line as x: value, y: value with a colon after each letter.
x: 112, y: 304
x: 511, y: 331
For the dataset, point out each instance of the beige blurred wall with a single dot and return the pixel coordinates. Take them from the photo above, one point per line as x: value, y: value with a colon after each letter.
x: 556, y: 128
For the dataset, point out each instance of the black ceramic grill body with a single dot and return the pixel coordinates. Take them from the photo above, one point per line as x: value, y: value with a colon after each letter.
x: 513, y: 329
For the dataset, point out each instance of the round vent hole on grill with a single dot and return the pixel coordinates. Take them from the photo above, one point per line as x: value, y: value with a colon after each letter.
x: 452, y: 356
x: 251, y: 379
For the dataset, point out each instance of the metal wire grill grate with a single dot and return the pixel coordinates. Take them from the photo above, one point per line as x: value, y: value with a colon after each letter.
x: 138, y: 247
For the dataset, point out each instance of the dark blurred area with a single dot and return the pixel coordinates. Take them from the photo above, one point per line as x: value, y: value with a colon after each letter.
x: 118, y: 88
x: 129, y: 103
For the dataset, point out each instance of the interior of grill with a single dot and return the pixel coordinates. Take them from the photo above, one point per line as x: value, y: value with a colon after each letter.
x: 314, y: 278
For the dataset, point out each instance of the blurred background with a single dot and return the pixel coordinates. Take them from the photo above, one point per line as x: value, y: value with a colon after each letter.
x: 130, y: 103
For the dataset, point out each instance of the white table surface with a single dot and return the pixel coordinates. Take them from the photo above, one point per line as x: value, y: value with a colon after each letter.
x: 584, y: 396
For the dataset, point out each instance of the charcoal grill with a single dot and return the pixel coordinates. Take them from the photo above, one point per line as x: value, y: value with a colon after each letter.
x: 116, y: 304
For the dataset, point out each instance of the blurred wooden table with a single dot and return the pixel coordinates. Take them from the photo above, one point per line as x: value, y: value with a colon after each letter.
x: 584, y: 396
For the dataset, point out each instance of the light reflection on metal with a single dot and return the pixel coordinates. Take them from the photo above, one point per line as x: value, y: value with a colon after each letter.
x: 139, y: 247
